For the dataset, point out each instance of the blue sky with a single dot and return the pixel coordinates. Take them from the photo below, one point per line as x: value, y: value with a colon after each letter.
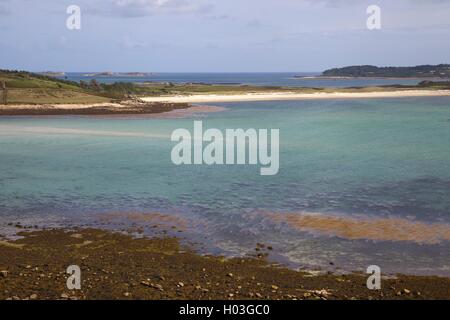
x: 225, y: 36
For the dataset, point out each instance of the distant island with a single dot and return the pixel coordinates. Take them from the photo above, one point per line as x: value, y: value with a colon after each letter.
x: 119, y: 74
x: 56, y: 74
x: 368, y: 71
x: 60, y: 74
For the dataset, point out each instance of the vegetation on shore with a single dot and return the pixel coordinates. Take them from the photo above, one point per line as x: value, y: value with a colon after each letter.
x: 424, y: 71
x: 31, y: 88
x: 37, y: 89
x: 26, y: 87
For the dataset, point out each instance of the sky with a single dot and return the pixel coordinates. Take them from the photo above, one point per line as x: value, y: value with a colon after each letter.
x: 221, y: 36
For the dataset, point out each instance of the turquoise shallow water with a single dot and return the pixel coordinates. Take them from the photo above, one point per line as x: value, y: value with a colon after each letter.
x: 348, y: 158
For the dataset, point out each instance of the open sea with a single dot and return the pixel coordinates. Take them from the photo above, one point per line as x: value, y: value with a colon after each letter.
x: 306, y: 79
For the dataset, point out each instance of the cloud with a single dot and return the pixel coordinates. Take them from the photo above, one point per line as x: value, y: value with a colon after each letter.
x: 129, y: 43
x: 344, y: 3
x: 428, y: 2
x: 142, y: 8
x: 333, y: 3
x: 255, y: 23
x: 220, y: 17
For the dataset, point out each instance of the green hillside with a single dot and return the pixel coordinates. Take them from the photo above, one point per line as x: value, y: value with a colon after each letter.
x: 31, y: 88
x: 424, y: 71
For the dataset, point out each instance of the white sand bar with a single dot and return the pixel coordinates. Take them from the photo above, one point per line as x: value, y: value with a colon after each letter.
x: 274, y: 96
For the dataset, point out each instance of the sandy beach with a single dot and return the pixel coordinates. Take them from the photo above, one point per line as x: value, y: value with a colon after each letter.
x: 175, y: 106
x: 274, y: 96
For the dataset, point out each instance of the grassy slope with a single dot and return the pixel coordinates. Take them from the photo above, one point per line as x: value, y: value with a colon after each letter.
x: 33, y: 89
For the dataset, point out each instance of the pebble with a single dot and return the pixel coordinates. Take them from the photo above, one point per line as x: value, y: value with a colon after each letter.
x: 406, y: 291
x: 322, y: 293
x: 64, y: 296
x: 274, y: 287
x: 127, y: 294
x: 152, y: 285
x: 180, y: 284
x: 230, y: 275
x: 156, y: 286
x: 4, y: 273
x: 33, y: 296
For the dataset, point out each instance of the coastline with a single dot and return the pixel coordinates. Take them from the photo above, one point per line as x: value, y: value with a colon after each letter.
x: 320, y: 77
x: 158, y: 110
x: 275, y: 96
x: 184, y: 105
x: 93, y: 109
x: 117, y: 266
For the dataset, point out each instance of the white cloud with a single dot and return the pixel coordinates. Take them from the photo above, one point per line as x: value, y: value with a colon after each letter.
x: 141, y: 8
x: 333, y: 3
x: 343, y: 3
x: 430, y: 2
x: 129, y: 43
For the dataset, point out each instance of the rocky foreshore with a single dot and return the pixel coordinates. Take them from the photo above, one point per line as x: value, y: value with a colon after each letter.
x: 117, y: 266
x: 128, y: 107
